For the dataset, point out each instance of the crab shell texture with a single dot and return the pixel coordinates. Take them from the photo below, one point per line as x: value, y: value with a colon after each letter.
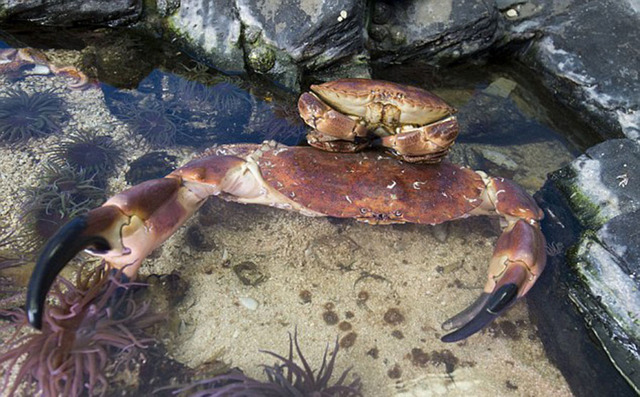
x: 351, y: 96
x: 383, y: 191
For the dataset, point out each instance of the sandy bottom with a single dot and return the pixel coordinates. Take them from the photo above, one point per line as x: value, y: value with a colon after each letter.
x: 383, y: 291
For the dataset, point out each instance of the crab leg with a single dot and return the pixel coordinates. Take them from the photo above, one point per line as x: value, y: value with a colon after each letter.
x: 130, y: 225
x: 518, y: 258
x: 332, y: 129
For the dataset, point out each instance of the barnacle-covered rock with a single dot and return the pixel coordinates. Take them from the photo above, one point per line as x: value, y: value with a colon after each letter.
x: 278, y: 39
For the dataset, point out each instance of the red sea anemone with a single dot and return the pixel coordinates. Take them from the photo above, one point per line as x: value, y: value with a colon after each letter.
x: 10, y: 294
x: 85, y: 326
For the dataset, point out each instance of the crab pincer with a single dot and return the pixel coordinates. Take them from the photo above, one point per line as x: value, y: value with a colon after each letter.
x: 518, y: 259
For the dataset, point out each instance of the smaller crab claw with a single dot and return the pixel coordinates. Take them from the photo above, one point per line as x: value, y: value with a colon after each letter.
x: 518, y: 260
x: 428, y: 144
x: 329, y: 124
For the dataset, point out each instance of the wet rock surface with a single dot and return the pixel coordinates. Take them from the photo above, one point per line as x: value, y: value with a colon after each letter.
x: 211, y: 30
x: 441, y: 32
x: 584, y: 52
x: 592, y: 65
x: 71, y: 13
x: 277, y: 39
x: 592, y: 207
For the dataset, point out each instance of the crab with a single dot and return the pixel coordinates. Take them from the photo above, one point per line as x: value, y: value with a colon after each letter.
x: 349, y: 115
x: 18, y: 61
x: 367, y: 186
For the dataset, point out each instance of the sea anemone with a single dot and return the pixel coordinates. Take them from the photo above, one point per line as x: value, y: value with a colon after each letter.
x: 286, y: 379
x: 152, y: 120
x: 84, y: 327
x: 24, y: 116
x: 9, y: 256
x: 169, y: 109
x: 230, y: 111
x: 10, y: 295
x: 228, y: 95
x: 191, y: 93
x: 63, y: 194
x: 200, y: 72
x: 87, y: 151
x: 213, y: 113
x: 278, y: 122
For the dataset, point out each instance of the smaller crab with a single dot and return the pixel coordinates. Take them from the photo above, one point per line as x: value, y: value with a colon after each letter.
x: 351, y: 114
x: 19, y: 61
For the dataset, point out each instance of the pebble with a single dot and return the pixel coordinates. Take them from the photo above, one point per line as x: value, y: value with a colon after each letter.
x: 249, y: 303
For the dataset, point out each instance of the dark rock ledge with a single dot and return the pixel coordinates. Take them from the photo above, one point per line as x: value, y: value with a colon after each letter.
x: 592, y: 207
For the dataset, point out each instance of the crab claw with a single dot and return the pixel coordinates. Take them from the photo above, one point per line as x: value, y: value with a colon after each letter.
x: 123, y: 231
x: 95, y: 229
x: 518, y: 260
x: 331, y: 128
x: 133, y: 223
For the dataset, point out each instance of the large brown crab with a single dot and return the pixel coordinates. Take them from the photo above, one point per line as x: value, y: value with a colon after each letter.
x: 368, y: 186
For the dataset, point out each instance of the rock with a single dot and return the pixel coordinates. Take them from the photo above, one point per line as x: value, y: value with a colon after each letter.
x: 589, y: 63
x: 606, y: 192
x: 438, y: 32
x: 211, y: 30
x: 72, y: 12
x: 273, y: 38
x: 313, y: 33
x: 499, y: 159
x: 494, y: 116
x: 249, y: 303
x: 501, y: 87
x: 593, y: 206
x: 603, y: 183
x: 608, y: 294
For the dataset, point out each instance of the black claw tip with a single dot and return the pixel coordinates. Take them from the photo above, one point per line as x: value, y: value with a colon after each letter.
x: 502, y: 298
x: 496, y: 303
x: 467, y: 314
x: 59, y: 250
x: 476, y: 324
